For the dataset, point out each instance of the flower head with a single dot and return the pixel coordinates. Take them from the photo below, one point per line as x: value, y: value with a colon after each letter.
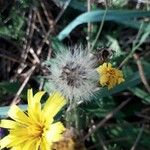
x: 109, y: 76
x: 35, y: 129
x: 73, y: 74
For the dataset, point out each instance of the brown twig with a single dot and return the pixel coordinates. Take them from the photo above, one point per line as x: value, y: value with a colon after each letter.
x: 143, y: 116
x: 136, y: 123
x: 102, y: 143
x: 51, y: 29
x: 39, y: 31
x: 108, y: 116
x: 40, y: 21
x: 117, y: 140
x: 29, y: 73
x: 9, y: 58
x: 27, y: 42
x: 30, y: 32
x: 36, y: 59
x: 47, y: 58
x: 109, y: 142
x: 141, y: 71
x: 89, y: 26
x: 50, y: 22
x: 137, y: 139
x: 23, y: 85
x: 14, y: 59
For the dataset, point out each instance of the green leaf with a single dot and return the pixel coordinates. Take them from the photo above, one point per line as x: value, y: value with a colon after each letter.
x: 120, y: 16
x: 9, y: 87
x: 99, y: 107
x: 114, y: 45
x: 129, y: 133
x: 78, y: 5
x: 75, y: 4
x: 119, y: 3
x: 141, y: 94
x: 58, y: 46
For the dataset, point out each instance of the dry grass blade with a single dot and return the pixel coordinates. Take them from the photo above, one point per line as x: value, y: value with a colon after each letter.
x: 23, y: 85
x: 141, y: 72
x: 137, y: 139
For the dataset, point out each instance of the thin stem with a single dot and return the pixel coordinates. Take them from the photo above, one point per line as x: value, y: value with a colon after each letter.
x: 89, y: 26
x: 137, y: 139
x: 135, y: 46
x: 100, y: 29
x: 141, y: 72
x: 72, y: 115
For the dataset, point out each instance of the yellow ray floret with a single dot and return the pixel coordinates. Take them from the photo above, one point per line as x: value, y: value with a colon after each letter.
x: 35, y: 129
x: 109, y: 76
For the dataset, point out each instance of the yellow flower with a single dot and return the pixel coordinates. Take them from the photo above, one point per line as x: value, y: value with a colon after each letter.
x: 34, y: 130
x: 109, y: 76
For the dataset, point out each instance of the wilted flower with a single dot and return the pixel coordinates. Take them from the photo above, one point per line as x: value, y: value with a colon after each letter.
x: 73, y: 74
x: 35, y: 129
x: 70, y: 141
x: 109, y: 76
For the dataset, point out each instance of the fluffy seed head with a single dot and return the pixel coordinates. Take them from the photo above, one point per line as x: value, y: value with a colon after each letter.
x: 73, y: 74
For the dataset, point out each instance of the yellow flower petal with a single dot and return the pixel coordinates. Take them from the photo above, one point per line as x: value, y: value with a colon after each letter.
x: 30, y: 99
x: 16, y: 148
x: 103, y: 80
x: 30, y: 130
x: 55, y: 131
x: 17, y: 140
x: 18, y: 115
x: 34, y: 107
x: 109, y: 76
x: 9, y: 141
x: 9, y: 124
x: 23, y: 132
x: 56, y: 102
x: 44, y: 145
x: 29, y: 145
x: 5, y: 141
x: 108, y: 65
x: 38, y: 144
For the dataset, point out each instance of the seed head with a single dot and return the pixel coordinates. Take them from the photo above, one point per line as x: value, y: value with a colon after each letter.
x: 73, y: 73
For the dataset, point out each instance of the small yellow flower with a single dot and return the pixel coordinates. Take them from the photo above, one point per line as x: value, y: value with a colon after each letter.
x: 35, y: 129
x: 109, y: 76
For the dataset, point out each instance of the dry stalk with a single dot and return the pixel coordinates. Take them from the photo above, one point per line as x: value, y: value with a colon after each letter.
x: 137, y: 139
x: 141, y: 72
x: 89, y: 26
x: 14, y: 101
x: 38, y: 52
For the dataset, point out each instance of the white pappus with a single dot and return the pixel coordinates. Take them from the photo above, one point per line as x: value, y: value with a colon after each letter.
x: 73, y: 73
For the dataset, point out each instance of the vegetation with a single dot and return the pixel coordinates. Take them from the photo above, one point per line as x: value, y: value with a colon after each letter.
x: 38, y: 37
